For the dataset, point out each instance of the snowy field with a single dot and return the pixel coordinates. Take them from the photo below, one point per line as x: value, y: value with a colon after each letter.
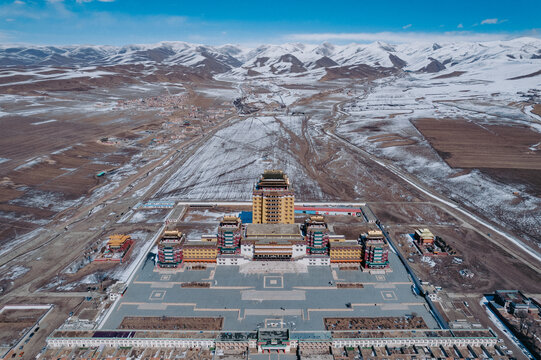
x: 480, y: 97
x: 227, y: 166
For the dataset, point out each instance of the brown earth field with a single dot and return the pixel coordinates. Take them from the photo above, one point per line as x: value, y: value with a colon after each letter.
x: 538, y: 72
x: 63, y: 176
x: 413, y: 214
x: 52, y: 163
x: 501, y: 152
x: 492, y: 268
x: 537, y: 109
x: 342, y: 219
x: 117, y: 75
x: 465, y: 144
x: 527, y: 177
x: 450, y: 75
x: 352, y: 232
x: 362, y: 71
x: 21, y: 140
x: 68, y: 156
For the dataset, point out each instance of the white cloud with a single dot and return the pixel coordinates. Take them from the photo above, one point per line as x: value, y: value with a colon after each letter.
x: 16, y: 9
x: 59, y: 7
x: 398, y: 37
x: 460, y: 26
x: 489, y: 21
x: 406, y: 26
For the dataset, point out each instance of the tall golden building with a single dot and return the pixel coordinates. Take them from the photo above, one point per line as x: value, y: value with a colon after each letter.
x: 273, y: 199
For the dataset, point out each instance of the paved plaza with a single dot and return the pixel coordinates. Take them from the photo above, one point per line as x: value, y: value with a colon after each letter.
x: 296, y: 300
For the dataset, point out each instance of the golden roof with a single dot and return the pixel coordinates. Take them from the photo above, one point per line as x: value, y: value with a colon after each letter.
x: 117, y: 239
x: 230, y: 218
x: 424, y: 232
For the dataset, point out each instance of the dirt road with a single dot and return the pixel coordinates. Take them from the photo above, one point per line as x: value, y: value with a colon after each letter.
x: 315, y: 148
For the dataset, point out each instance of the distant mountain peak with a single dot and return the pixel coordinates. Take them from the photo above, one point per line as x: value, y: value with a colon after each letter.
x: 276, y: 60
x: 385, y: 46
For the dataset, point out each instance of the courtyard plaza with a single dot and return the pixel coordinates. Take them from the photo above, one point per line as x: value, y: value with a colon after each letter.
x: 269, y: 294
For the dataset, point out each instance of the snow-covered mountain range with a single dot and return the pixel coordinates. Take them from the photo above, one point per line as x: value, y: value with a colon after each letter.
x: 283, y: 59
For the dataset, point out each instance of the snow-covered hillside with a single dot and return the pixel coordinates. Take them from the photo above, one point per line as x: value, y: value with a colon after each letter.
x: 287, y: 59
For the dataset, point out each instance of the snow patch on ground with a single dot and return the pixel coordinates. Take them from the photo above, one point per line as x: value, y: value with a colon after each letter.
x: 148, y: 216
x: 31, y: 162
x: 43, y: 122
x: 428, y: 260
x: 15, y: 272
x: 226, y: 94
x: 87, y: 280
x: 44, y: 200
x: 20, y: 239
x: 392, y: 103
x: 231, y: 161
x: 210, y: 216
x: 57, y: 281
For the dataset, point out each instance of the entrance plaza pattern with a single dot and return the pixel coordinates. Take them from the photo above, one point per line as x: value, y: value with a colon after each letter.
x: 294, y: 300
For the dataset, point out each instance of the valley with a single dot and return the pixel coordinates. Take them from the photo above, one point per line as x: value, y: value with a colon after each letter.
x: 443, y: 135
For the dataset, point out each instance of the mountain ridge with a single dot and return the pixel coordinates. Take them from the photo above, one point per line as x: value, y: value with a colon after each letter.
x: 279, y: 60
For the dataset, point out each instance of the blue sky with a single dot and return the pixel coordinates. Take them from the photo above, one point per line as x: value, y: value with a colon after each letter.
x: 120, y: 22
